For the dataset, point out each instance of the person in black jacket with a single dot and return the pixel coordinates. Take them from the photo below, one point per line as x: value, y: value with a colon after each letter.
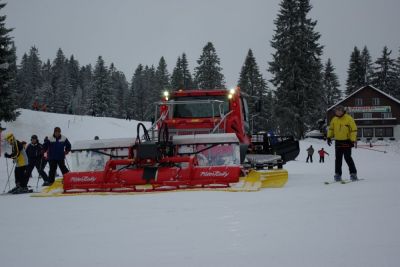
x: 44, y: 159
x: 57, y: 147
x: 35, y: 151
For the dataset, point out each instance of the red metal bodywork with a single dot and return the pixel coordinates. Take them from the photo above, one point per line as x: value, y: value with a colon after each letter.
x: 234, y: 121
x: 170, y: 177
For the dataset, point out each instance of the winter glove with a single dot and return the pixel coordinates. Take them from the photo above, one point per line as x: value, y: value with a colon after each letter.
x: 350, y: 143
x: 6, y: 155
x: 329, y: 142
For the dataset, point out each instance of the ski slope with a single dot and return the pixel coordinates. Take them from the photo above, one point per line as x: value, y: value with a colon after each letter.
x: 306, y: 223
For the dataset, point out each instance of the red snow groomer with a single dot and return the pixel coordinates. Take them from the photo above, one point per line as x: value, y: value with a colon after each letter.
x: 201, y: 139
x: 190, y: 161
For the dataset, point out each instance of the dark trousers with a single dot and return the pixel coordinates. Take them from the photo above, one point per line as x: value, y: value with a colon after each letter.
x: 21, y: 179
x: 345, y: 151
x: 53, y: 168
x: 38, y: 166
x: 321, y: 159
x: 309, y: 158
x: 43, y: 164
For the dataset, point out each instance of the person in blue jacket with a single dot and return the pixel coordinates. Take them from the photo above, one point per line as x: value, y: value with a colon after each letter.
x: 57, y: 147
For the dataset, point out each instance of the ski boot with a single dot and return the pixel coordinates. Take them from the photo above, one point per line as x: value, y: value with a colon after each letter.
x: 353, y: 177
x: 337, y: 177
x: 13, y: 190
x: 47, y: 183
x: 21, y: 190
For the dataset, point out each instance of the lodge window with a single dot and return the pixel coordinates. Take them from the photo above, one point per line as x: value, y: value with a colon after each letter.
x: 376, y: 101
x: 386, y: 115
x: 384, y: 132
x: 368, y: 132
x: 359, y: 132
x: 367, y: 115
x: 358, y: 102
x: 379, y: 132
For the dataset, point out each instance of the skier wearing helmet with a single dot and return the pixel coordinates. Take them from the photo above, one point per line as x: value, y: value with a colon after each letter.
x: 344, y: 130
x: 18, y: 154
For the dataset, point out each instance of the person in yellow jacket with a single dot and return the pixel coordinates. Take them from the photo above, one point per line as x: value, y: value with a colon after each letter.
x: 20, y: 158
x: 344, y: 130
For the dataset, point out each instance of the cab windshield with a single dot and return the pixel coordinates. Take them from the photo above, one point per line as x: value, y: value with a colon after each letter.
x: 200, y: 106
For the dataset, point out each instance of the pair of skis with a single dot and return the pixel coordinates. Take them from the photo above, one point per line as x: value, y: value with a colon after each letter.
x: 346, y: 181
x: 30, y: 191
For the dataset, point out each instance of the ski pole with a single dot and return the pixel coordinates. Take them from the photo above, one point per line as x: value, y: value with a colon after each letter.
x: 9, y: 175
x: 37, y: 182
x: 67, y: 164
x: 39, y: 176
x: 373, y: 149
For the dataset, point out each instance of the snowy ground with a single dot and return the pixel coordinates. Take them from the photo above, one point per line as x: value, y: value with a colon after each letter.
x: 306, y: 223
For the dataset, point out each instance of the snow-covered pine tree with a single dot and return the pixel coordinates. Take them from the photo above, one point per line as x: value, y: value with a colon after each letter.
x: 46, y: 71
x: 24, y: 93
x: 86, y: 83
x: 46, y: 89
x: 77, y: 102
x: 162, y: 78
x: 181, y: 77
x: 82, y: 99
x: 355, y: 73
x: 103, y: 97
x: 13, y: 70
x: 177, y: 76
x: 7, y: 72
x: 152, y: 95
x: 187, y: 76
x: 396, y: 92
x: 330, y: 85
x: 296, y: 68
x: 208, y: 73
x: 35, y: 68
x: 73, y: 73
x: 253, y: 84
x: 29, y: 78
x: 137, y: 94
x: 60, y: 99
x: 366, y: 62
x: 119, y: 87
x: 384, y: 76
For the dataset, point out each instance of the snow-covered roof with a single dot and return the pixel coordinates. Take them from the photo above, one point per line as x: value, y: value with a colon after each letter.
x: 205, y: 139
x: 103, y: 143
x: 355, y: 92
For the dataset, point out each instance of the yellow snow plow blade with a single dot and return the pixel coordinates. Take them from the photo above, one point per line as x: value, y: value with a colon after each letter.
x: 54, y: 189
x: 255, y: 180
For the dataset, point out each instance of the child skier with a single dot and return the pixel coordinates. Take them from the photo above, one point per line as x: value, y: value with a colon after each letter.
x: 322, y: 153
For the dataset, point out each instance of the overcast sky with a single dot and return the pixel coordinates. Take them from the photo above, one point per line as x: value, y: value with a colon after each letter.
x: 129, y: 32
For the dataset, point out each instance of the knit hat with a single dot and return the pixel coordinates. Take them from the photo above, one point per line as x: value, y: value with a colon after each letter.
x: 9, y: 137
x: 340, y: 108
